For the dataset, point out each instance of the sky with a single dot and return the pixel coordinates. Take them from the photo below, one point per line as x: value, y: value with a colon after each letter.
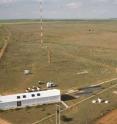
x: 58, y: 9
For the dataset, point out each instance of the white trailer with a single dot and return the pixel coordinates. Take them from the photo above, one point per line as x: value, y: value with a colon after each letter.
x: 29, y: 99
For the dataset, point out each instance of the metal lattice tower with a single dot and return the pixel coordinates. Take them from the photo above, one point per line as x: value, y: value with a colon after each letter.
x: 42, y: 31
x: 41, y: 22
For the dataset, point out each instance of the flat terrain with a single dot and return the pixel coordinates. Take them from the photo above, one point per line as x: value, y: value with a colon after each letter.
x: 2, y: 35
x: 110, y: 118
x: 76, y: 46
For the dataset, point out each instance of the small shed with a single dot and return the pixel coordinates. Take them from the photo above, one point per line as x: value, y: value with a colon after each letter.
x: 29, y: 99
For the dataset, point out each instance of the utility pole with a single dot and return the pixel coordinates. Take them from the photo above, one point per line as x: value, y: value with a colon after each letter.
x: 58, y: 115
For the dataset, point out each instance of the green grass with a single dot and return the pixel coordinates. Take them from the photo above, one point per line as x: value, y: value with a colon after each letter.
x: 74, y: 49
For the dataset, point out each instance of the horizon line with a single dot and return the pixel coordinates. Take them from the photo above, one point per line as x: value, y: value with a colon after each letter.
x: 59, y: 19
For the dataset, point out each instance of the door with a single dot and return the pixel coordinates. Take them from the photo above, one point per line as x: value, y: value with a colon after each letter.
x: 19, y: 103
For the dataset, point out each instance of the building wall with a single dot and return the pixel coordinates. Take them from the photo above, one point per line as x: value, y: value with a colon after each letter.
x: 40, y: 101
x: 8, y: 105
x: 30, y: 102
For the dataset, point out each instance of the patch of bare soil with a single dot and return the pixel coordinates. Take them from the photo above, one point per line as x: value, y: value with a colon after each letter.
x: 2, y: 121
x: 110, y: 118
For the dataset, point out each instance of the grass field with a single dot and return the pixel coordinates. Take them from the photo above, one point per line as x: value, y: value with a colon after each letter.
x: 2, y: 36
x: 76, y: 46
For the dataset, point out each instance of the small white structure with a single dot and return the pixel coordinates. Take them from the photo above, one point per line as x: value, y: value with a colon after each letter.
x: 50, y: 84
x: 26, y: 72
x: 93, y: 101
x: 106, y: 102
x: 29, y: 99
x: 99, y: 100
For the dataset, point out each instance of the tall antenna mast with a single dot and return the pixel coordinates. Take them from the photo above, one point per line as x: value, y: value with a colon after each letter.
x: 42, y: 30
x: 41, y: 22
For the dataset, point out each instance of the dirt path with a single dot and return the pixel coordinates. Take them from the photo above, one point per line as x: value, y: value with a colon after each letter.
x: 4, y: 121
x: 2, y: 51
x: 110, y: 118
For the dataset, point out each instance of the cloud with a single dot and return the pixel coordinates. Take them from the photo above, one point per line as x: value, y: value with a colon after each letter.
x: 7, y: 1
x: 115, y: 1
x: 104, y: 1
x: 74, y: 5
x: 101, y: 1
x: 109, y: 2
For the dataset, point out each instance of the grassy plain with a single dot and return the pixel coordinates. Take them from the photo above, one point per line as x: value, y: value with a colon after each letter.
x: 76, y: 46
x: 2, y: 35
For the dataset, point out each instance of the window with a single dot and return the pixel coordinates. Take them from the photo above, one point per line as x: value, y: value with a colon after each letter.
x: 19, y: 103
x: 38, y: 94
x: 33, y: 95
x: 18, y: 97
x: 24, y: 96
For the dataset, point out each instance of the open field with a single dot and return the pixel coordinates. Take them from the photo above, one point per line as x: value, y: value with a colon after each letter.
x: 2, y: 36
x: 76, y: 47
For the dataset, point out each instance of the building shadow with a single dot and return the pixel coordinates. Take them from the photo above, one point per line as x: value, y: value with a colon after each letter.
x: 66, y: 97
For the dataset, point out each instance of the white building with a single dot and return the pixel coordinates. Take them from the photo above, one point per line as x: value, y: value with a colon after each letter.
x: 29, y: 99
